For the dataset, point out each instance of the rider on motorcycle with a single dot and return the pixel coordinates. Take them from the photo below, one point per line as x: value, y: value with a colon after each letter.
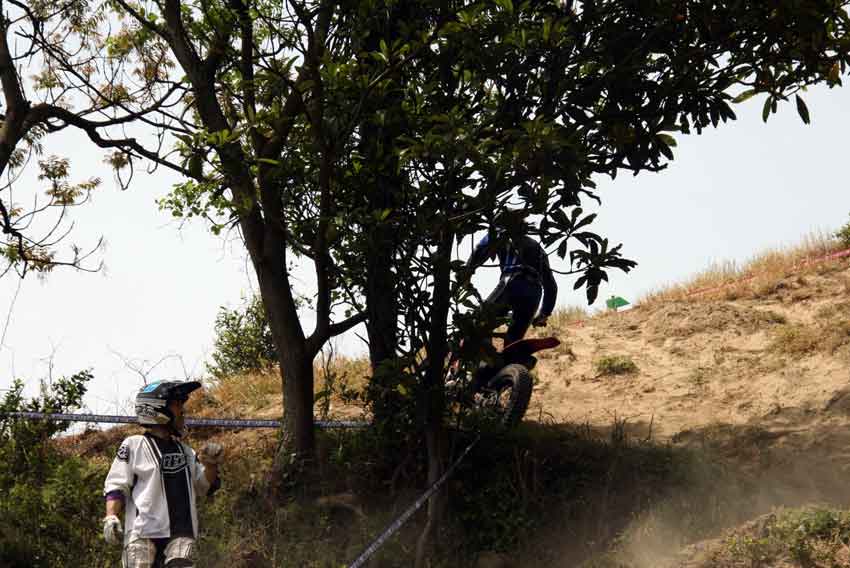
x: 526, y: 275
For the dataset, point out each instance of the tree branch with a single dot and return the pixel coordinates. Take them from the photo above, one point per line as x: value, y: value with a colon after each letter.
x: 144, y: 22
x: 315, y: 341
x: 43, y: 112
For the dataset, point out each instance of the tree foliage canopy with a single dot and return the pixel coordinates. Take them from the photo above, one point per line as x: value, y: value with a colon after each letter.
x: 63, y: 66
x: 371, y: 137
x: 243, y: 340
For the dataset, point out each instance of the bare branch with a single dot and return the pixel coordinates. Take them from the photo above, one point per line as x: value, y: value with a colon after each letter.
x: 43, y: 112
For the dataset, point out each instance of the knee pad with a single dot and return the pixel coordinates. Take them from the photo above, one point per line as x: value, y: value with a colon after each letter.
x: 180, y: 553
x: 140, y: 553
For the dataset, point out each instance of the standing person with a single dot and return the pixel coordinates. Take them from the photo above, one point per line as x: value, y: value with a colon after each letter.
x: 154, y: 480
x: 526, y: 275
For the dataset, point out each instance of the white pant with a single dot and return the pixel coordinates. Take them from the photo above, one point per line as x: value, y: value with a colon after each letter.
x: 141, y: 553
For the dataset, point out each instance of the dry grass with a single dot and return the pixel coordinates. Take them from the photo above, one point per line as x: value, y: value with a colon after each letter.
x: 259, y: 390
x: 827, y: 336
x: 755, y: 278
x: 563, y: 317
x: 237, y: 393
x: 837, y: 336
x: 795, y: 339
x: 832, y: 311
x: 353, y: 371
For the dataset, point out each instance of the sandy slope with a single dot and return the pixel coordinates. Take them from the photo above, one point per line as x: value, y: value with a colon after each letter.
x: 760, y: 379
x: 706, y: 362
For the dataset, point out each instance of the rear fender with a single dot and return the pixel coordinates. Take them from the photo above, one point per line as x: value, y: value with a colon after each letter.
x: 523, y: 351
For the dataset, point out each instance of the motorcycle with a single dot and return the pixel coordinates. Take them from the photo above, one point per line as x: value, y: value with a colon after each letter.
x: 501, y: 388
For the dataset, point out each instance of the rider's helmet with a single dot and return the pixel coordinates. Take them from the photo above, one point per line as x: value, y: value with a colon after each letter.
x: 152, y: 401
x: 505, y: 226
x: 511, y: 222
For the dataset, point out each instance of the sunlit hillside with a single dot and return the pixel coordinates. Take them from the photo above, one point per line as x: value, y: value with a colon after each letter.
x: 661, y: 435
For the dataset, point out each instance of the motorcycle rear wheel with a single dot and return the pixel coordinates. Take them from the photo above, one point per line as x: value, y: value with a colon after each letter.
x: 511, y: 393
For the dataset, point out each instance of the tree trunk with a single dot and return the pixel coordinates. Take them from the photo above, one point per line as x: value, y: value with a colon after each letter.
x: 380, y: 299
x: 382, y: 308
x: 381, y: 304
x: 436, y: 504
x: 437, y: 347
x: 296, y: 372
x: 296, y: 360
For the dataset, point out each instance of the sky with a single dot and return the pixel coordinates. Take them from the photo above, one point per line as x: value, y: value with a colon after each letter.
x: 149, y: 314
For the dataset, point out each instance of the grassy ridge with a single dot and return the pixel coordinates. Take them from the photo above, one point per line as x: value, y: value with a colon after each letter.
x: 752, y: 278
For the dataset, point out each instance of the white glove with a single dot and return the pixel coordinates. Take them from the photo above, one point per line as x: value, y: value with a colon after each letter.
x: 212, y: 454
x: 112, y: 531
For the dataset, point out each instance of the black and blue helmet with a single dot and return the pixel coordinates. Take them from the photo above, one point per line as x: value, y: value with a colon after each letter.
x: 152, y: 400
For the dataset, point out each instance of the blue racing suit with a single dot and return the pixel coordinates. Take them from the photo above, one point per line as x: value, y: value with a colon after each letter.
x: 526, y: 276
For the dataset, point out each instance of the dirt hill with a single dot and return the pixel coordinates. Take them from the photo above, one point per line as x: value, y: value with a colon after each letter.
x: 755, y: 376
x: 671, y: 434
x: 777, y: 361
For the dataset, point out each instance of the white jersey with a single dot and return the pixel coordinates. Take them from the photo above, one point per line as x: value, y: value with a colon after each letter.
x: 138, y: 473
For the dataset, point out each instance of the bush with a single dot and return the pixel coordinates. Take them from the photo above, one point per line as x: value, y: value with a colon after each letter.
x: 615, y: 365
x: 52, y: 504
x: 243, y: 340
x: 798, y: 537
x: 843, y: 235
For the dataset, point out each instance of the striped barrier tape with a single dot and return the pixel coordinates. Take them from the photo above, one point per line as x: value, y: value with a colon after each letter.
x: 830, y: 256
x: 396, y: 524
x: 191, y: 422
x: 235, y: 423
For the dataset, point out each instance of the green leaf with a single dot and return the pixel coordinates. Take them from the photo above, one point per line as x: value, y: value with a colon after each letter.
x: 562, y: 249
x: 663, y: 147
x: 802, y: 110
x: 506, y: 5
x: 667, y: 139
x: 586, y: 221
x: 746, y: 95
x: 765, y: 111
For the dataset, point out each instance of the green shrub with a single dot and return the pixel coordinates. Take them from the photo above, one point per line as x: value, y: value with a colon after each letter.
x: 243, y: 340
x: 799, y: 537
x: 615, y: 365
x: 843, y: 235
x: 52, y: 504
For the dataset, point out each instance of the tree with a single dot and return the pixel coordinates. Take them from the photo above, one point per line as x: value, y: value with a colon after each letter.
x: 280, y: 118
x: 82, y: 79
x: 51, y: 502
x: 243, y: 340
x: 530, y: 103
x: 262, y: 148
